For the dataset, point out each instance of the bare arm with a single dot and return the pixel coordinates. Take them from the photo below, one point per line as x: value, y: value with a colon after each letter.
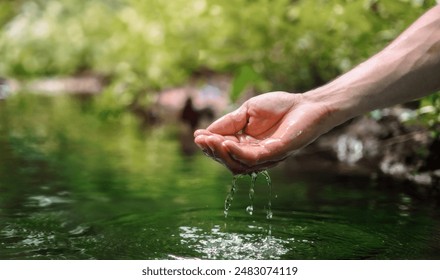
x: 268, y: 128
x: 407, y: 69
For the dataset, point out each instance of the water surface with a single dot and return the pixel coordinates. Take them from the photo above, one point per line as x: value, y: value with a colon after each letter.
x: 81, y: 182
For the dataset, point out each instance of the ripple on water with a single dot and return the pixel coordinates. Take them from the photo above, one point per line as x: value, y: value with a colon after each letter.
x: 46, y: 201
x: 47, y: 235
x: 289, y: 235
x: 199, y: 233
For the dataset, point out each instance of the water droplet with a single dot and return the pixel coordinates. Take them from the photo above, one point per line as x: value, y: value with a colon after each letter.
x: 269, y: 214
x: 269, y: 185
x: 250, y: 209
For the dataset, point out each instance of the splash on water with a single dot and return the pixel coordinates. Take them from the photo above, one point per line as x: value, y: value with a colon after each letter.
x: 250, y: 208
x: 216, y: 244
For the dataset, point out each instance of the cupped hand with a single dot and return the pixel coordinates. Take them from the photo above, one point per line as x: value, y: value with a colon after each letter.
x: 263, y: 131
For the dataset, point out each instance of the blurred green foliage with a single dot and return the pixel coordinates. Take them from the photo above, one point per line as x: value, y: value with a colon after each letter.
x: 271, y: 45
x: 8, y: 9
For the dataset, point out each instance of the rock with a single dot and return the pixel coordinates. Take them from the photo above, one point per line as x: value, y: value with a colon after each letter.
x: 193, y: 106
x: 384, y: 145
x: 201, y: 101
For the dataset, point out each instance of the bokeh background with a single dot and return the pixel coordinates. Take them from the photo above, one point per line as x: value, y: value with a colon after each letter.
x: 148, y: 45
x: 99, y: 100
x: 198, y: 58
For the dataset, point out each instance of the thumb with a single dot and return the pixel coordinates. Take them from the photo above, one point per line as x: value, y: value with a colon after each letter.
x: 231, y: 123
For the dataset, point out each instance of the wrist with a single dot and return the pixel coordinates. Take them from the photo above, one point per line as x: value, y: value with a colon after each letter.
x: 336, y: 101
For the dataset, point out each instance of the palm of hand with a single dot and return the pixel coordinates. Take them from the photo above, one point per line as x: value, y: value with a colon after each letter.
x: 259, y: 134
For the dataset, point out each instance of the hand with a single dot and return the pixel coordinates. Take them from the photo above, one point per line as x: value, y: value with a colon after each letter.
x: 265, y: 130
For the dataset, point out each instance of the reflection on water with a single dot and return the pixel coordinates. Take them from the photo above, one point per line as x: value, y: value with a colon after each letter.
x: 77, y: 184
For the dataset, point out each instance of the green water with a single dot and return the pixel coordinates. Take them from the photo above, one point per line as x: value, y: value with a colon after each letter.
x: 79, y: 182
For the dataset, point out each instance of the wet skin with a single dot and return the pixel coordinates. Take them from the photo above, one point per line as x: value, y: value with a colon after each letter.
x: 262, y: 132
x: 268, y: 128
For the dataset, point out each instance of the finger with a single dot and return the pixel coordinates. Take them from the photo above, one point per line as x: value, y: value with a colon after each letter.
x: 245, y: 153
x: 199, y: 132
x: 238, y: 167
x: 201, y: 143
x: 211, y: 142
x: 214, y: 143
x: 260, y: 167
x: 212, y: 146
x: 221, y: 154
x: 231, y: 123
x: 247, y: 169
x: 206, y: 132
x: 255, y: 154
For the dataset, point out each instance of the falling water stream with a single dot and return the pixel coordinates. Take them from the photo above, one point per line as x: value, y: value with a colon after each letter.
x: 250, y: 207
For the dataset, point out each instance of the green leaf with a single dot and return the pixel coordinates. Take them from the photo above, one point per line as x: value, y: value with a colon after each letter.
x: 246, y: 76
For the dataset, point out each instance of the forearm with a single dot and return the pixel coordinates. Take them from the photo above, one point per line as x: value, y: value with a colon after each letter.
x: 407, y: 69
